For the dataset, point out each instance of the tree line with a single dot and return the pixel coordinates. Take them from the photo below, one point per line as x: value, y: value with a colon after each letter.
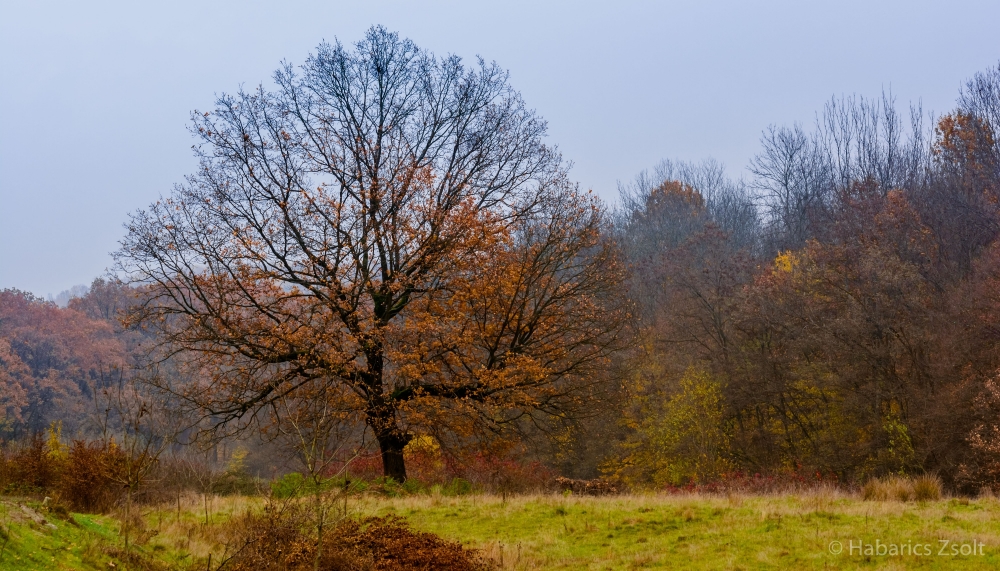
x: 382, y: 248
x: 833, y: 312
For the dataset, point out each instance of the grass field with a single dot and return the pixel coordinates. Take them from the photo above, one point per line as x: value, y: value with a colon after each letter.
x: 568, y: 532
x: 692, y: 532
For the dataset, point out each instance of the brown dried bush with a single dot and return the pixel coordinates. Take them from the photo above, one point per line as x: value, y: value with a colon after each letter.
x: 392, y: 546
x: 30, y: 468
x: 84, y: 476
x: 280, y: 538
x: 87, y: 484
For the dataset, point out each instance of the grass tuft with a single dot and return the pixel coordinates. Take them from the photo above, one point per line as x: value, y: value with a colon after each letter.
x: 900, y: 489
x: 875, y: 490
x: 927, y: 488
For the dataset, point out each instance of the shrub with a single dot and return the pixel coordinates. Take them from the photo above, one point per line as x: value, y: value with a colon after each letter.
x: 414, y: 486
x: 294, y: 485
x: 273, y: 539
x: 236, y: 479
x: 781, y: 482
x: 288, y: 486
x: 393, y: 546
x: 86, y: 476
x: 457, y: 487
x: 6, y: 477
x: 279, y: 538
x: 87, y: 484
x: 230, y: 483
x: 425, y: 461
x: 586, y: 487
x: 31, y: 468
x: 388, y: 487
x: 364, y: 467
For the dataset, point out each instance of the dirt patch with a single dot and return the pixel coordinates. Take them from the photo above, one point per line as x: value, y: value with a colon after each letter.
x: 20, y: 513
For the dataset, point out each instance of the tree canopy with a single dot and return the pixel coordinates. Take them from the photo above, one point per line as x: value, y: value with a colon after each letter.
x: 388, y: 223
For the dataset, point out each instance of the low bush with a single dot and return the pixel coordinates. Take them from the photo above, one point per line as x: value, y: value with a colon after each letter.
x: 30, y: 468
x: 229, y: 484
x: 587, y: 487
x: 87, y: 483
x: 280, y: 538
x: 235, y: 480
x: 388, y: 487
x: 83, y: 476
x: 457, y: 487
x: 414, y: 486
x: 288, y: 486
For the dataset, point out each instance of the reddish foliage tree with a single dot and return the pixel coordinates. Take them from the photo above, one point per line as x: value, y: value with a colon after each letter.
x: 51, y: 358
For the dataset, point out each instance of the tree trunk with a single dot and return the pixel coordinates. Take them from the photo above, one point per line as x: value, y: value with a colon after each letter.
x: 381, y: 417
x: 391, y: 446
x: 321, y: 516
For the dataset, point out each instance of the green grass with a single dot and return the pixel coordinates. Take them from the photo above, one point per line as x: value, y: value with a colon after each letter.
x: 169, y: 538
x: 692, y: 532
x: 568, y: 532
x: 78, y: 543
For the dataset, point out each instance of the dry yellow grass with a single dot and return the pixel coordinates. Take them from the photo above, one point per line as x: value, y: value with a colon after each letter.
x: 921, y: 488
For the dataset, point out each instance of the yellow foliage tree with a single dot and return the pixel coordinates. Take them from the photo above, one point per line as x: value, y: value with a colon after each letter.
x: 684, y: 442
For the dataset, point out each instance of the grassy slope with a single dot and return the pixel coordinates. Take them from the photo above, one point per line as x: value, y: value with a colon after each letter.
x: 172, y: 538
x: 685, y: 532
x: 80, y: 545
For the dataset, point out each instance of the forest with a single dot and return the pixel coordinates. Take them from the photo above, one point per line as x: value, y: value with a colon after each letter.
x: 383, y: 281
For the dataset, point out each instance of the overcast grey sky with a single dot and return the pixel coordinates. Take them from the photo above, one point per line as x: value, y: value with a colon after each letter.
x: 95, y: 96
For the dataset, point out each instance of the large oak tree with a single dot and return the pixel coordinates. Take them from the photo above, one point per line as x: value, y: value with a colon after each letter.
x: 388, y: 223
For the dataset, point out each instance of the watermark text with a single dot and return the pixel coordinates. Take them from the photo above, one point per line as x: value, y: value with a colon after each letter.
x: 879, y: 548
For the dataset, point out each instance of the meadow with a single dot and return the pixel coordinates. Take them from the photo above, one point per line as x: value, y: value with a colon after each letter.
x: 819, y: 529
